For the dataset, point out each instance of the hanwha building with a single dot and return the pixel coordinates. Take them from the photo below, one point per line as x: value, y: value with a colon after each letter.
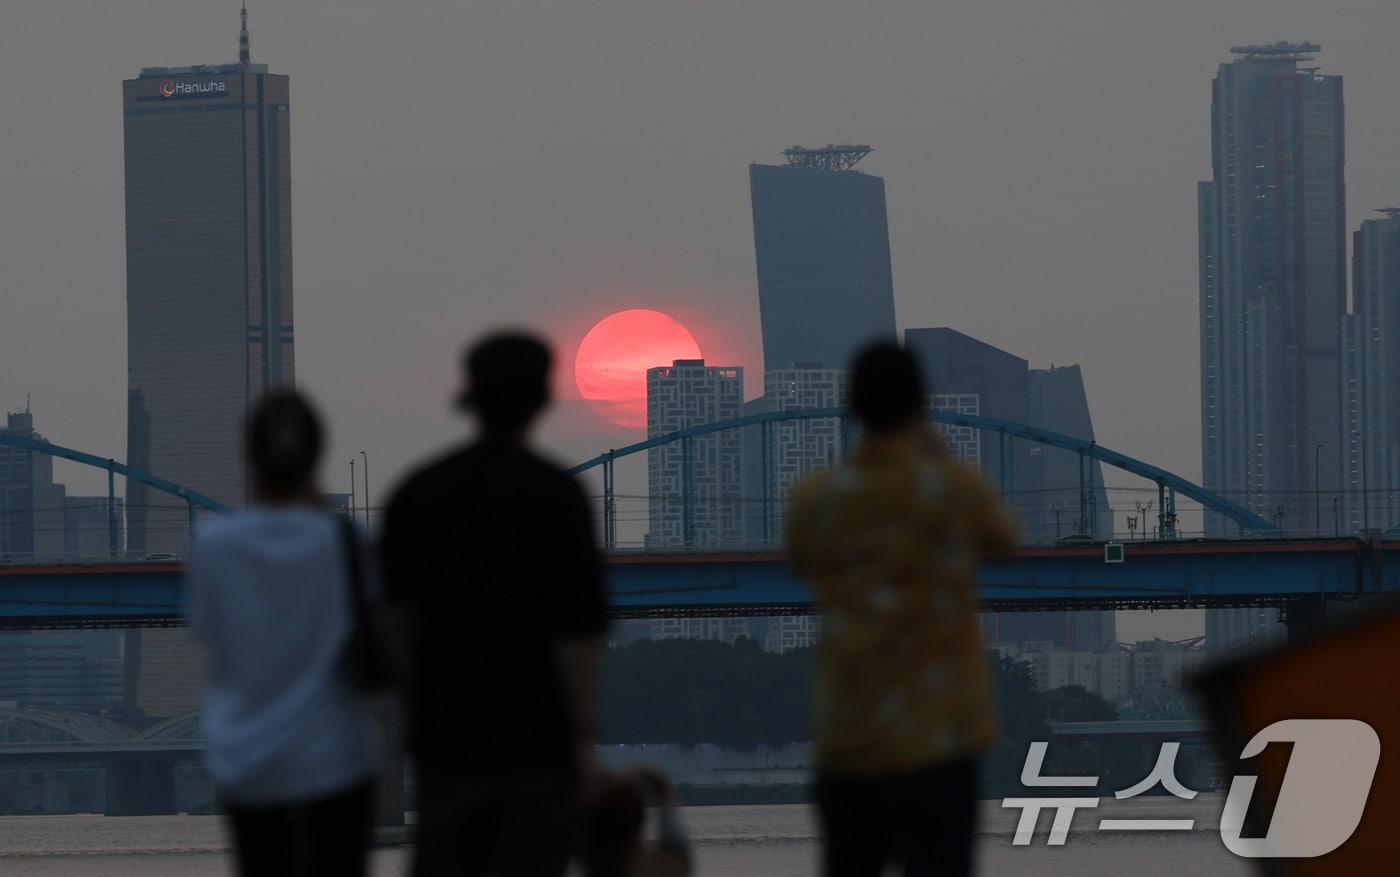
x: 209, y: 277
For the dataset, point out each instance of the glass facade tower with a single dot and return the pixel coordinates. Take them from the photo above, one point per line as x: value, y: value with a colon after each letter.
x: 1273, y: 286
x: 822, y: 247
x: 209, y: 278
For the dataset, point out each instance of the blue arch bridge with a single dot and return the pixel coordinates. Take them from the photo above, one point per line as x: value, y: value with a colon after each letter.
x: 1260, y: 568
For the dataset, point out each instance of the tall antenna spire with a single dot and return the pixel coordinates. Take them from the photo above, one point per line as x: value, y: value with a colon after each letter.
x: 243, y: 55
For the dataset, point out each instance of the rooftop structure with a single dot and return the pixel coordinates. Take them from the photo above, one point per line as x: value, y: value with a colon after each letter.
x: 1279, y: 51
x: 827, y: 158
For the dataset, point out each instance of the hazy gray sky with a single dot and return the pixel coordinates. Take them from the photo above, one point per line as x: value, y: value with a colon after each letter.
x: 461, y: 166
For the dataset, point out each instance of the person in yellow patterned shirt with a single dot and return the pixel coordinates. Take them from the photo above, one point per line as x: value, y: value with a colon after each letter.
x: 889, y: 542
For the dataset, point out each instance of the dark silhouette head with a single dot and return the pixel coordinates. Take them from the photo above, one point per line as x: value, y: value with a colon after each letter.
x: 887, y: 390
x: 614, y: 829
x: 507, y: 382
x: 283, y: 444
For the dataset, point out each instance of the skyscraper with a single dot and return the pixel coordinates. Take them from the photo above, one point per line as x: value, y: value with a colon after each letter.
x: 958, y: 364
x: 32, y: 506
x: 209, y: 276
x: 822, y: 246
x: 1272, y: 285
x: 693, y: 485
x: 1373, y: 378
x: 1059, y: 403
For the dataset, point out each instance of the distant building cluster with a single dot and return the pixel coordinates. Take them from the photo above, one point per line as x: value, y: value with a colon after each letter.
x: 825, y: 288
x: 1113, y: 671
x: 207, y: 158
x: 39, y: 521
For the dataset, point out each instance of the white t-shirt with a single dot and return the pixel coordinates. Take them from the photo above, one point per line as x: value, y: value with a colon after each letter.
x: 268, y: 596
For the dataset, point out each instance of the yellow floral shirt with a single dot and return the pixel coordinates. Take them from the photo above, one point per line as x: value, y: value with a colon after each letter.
x: 890, y: 543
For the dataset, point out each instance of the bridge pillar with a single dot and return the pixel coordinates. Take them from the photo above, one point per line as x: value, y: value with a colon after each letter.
x: 609, y: 505
x: 1083, y: 497
x: 688, y: 491
x: 111, y: 510
x: 140, y: 783
x: 769, y: 522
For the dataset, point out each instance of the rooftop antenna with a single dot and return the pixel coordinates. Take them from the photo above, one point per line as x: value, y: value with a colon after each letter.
x: 244, y: 57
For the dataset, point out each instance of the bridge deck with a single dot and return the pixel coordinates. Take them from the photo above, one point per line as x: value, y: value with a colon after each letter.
x: 1152, y: 576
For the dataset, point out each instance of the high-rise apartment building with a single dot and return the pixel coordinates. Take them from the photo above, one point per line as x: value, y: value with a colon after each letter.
x: 693, y: 485
x: 1272, y: 285
x: 964, y: 443
x: 1371, y: 481
x: 798, y: 448
x: 724, y: 629
x: 209, y: 276
x: 822, y: 247
x: 1272, y: 246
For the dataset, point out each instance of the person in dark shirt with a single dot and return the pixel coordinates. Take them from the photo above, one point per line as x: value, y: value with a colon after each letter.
x: 496, y: 590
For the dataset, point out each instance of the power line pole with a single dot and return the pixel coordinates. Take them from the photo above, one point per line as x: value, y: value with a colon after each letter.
x: 1057, y: 509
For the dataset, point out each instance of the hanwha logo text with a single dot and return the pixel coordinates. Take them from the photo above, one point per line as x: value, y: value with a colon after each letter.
x: 167, y: 87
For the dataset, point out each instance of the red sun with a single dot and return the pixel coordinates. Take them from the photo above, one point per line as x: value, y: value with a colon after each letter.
x: 613, y: 358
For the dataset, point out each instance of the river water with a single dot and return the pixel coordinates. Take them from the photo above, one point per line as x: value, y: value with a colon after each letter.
x: 777, y: 840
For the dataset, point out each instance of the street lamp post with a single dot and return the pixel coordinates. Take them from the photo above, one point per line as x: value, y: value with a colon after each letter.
x: 1143, y: 508
x: 1317, y: 495
x: 365, y: 475
x: 351, y: 510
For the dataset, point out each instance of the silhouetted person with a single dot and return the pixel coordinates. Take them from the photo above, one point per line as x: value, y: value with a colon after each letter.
x: 289, y: 749
x: 497, y: 592
x: 890, y: 542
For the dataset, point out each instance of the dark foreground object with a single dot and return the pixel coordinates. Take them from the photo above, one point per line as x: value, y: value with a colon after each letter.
x: 328, y: 837
x: 507, y: 825
x: 922, y: 820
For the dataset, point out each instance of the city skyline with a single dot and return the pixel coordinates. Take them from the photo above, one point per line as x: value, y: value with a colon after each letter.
x: 1011, y: 234
x: 204, y: 35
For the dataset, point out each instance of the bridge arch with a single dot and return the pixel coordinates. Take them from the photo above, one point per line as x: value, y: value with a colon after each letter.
x: 1168, y: 483
x: 186, y: 726
x: 38, y: 725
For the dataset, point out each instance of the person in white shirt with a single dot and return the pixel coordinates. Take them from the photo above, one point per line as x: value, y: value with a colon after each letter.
x: 271, y: 594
